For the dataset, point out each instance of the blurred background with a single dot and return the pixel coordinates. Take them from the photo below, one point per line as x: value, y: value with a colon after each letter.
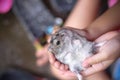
x: 25, y: 26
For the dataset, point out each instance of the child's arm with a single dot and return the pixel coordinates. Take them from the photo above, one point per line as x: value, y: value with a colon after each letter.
x: 108, y: 21
x: 83, y: 14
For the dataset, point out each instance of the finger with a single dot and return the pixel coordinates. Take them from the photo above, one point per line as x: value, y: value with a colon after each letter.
x: 60, y: 72
x: 42, y: 61
x: 39, y: 53
x: 69, y: 73
x: 107, y: 36
x: 97, y: 68
x: 62, y: 67
x: 97, y: 58
x: 66, y: 67
x: 51, y: 58
x: 57, y: 64
x: 42, y: 58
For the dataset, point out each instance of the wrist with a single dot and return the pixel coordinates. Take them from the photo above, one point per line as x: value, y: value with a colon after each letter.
x: 91, y: 34
x: 94, y: 32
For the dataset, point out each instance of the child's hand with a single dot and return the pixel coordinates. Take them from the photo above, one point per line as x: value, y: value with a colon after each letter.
x: 62, y: 69
x: 42, y: 56
x: 106, y: 55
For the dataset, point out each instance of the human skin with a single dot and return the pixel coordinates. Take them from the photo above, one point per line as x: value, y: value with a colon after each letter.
x: 42, y: 56
x: 108, y: 21
x: 79, y: 17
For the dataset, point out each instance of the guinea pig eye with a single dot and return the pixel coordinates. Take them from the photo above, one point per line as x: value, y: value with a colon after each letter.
x: 58, y: 43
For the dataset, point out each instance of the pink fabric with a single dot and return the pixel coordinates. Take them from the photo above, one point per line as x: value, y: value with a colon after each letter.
x: 111, y: 2
x: 119, y: 30
x: 5, y: 6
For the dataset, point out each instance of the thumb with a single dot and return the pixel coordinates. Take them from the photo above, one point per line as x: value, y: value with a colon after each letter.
x: 51, y: 58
